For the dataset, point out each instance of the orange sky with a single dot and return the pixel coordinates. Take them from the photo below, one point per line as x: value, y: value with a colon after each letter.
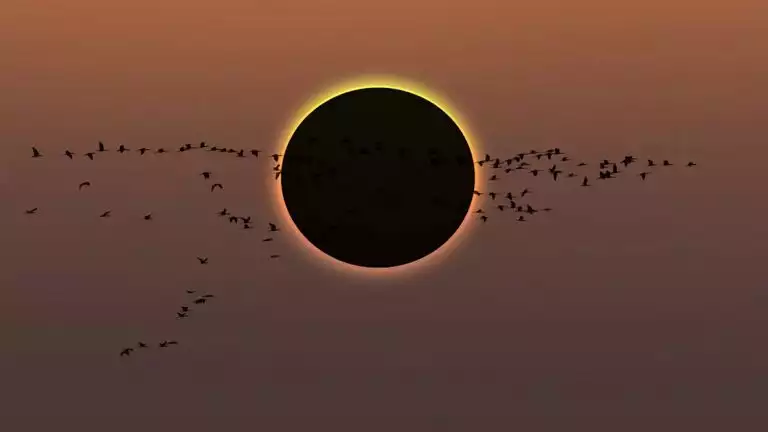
x: 513, y: 308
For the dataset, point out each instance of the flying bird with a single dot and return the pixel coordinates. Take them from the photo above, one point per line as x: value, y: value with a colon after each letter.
x: 217, y: 185
x: 32, y: 211
x: 148, y: 216
x: 36, y: 153
x: 273, y: 227
x: 83, y: 184
x: 101, y: 147
x: 89, y: 155
x: 68, y: 154
x: 202, y: 260
x: 106, y: 214
x: 126, y: 352
x: 206, y: 174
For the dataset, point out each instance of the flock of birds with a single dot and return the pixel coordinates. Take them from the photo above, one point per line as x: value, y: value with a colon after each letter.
x: 526, y: 162
x: 607, y: 169
x: 245, y: 221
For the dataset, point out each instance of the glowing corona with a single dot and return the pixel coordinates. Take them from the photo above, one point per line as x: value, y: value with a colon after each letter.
x: 337, y: 90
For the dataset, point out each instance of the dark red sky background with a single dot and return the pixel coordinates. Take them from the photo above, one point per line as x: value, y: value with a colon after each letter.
x: 631, y: 307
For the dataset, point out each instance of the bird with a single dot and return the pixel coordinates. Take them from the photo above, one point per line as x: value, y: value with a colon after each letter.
x: 83, y: 184
x: 143, y: 150
x: 122, y: 149
x: 276, y: 157
x: 200, y: 300
x: 521, y: 219
x: 484, y: 218
x: 524, y: 192
x: 160, y: 151
x: 106, y: 214
x: 691, y: 164
x: 36, y: 153
x: 274, y: 256
x: 126, y: 352
x: 666, y: 163
x: 101, y: 147
x: 207, y: 296
x: 643, y: 174
x: 32, y: 211
x: 273, y: 227
x: 89, y: 155
x: 68, y: 154
x: 180, y: 315
x: 246, y: 219
x: 255, y: 152
x: 142, y: 345
x: 191, y: 291
x: 651, y: 163
x: 268, y: 239
x: 206, y: 174
x: 585, y: 182
x: 203, y: 260
x: 217, y: 185
x: 223, y: 212
x: 148, y: 216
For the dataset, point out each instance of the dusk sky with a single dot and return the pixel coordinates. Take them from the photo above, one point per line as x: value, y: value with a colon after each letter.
x: 632, y: 306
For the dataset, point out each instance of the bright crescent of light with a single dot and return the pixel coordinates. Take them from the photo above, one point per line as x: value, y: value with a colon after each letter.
x: 359, y: 83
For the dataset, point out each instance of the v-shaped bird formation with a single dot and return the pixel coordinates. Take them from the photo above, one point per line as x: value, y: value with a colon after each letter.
x: 553, y: 163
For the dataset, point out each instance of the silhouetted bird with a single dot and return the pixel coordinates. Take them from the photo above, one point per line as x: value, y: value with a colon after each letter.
x: 223, y: 212
x: 191, y: 291
x: 160, y: 151
x: 255, y: 152
x: 83, y: 184
x: 203, y: 260
x: 691, y: 164
x: 643, y: 175
x: 180, y: 315
x: 148, y: 216
x: 273, y: 227
x: 268, y: 239
x: 36, y: 153
x: 206, y: 175
x: 32, y: 211
x: 68, y: 154
x: 126, y: 352
x: 276, y: 157
x: 233, y: 219
x: 106, y: 214
x: 217, y: 185
x: 89, y: 155
x: 101, y: 147
x: 521, y: 219
x: 666, y: 163
x: 651, y: 163
x: 122, y: 149
x: 524, y: 192
x: 585, y: 182
x: 142, y: 345
x: 274, y: 256
x: 200, y: 300
x: 484, y: 218
x: 143, y: 150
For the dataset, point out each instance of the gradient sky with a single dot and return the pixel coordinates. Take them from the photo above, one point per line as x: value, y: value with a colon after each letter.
x: 631, y: 307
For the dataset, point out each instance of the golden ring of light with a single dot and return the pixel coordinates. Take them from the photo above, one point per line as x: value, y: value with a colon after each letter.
x: 360, y: 83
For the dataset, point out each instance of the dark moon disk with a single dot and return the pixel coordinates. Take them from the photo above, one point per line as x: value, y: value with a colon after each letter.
x: 378, y: 177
